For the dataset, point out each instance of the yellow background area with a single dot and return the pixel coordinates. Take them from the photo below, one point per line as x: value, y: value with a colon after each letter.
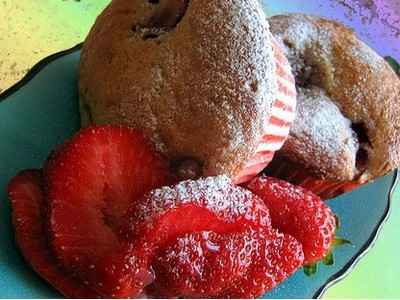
x: 33, y: 29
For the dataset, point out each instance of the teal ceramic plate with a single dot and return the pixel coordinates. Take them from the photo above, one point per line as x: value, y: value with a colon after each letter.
x: 42, y: 111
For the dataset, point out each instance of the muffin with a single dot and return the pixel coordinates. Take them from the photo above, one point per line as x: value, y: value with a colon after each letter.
x: 347, y: 129
x: 200, y: 79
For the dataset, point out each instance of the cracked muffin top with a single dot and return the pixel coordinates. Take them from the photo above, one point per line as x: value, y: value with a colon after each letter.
x: 348, y: 116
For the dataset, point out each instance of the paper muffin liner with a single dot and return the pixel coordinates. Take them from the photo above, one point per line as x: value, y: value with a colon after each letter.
x: 278, y: 126
x: 326, y: 189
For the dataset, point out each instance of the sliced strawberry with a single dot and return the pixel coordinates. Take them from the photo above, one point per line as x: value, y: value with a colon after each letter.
x: 275, y: 257
x: 300, y: 213
x: 201, y: 264
x: 91, y: 182
x: 201, y: 237
x: 28, y: 214
x: 243, y: 264
x: 210, y: 204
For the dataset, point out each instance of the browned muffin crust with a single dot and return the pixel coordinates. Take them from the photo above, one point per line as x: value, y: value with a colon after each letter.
x: 198, y: 77
x: 322, y: 138
x: 330, y: 61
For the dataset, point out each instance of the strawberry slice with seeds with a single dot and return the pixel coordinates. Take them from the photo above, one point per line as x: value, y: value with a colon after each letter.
x: 201, y: 264
x: 91, y: 182
x: 242, y: 264
x: 209, y: 204
x: 203, y: 237
x: 275, y: 258
x: 300, y: 213
x: 28, y: 214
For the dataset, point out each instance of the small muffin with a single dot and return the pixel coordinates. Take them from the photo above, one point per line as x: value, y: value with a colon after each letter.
x: 347, y: 128
x: 199, y: 78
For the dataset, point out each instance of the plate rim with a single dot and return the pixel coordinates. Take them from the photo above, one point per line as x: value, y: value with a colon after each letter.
x: 332, y: 280
x: 35, y: 69
x: 367, y: 246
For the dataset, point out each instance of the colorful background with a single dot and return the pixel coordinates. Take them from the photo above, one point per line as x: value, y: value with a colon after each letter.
x: 31, y: 29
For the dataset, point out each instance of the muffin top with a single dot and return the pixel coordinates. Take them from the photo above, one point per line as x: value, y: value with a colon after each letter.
x: 198, y: 77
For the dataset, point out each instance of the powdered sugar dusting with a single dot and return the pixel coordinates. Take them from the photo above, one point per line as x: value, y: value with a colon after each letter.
x: 192, y: 252
x: 218, y: 194
x: 202, y: 89
x: 321, y: 135
x: 368, y: 56
x: 280, y: 120
x: 240, y: 71
x: 331, y: 64
x: 301, y: 40
x: 313, y: 48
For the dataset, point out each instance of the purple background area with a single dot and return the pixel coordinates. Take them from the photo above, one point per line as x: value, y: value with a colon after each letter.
x: 376, y: 22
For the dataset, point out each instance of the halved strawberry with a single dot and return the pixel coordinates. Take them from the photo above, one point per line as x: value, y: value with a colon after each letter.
x: 91, y: 182
x: 28, y: 214
x: 300, y: 213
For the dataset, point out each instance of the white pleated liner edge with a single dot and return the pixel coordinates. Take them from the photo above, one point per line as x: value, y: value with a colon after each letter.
x: 282, y: 116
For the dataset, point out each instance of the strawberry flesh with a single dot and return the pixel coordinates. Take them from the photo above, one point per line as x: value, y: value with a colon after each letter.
x: 91, y: 182
x: 201, y: 264
x: 29, y: 214
x: 202, y: 237
x: 209, y: 204
x: 300, y: 213
x: 97, y: 224
x: 243, y: 264
x: 275, y: 257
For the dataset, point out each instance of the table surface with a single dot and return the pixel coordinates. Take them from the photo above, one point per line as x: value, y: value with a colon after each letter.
x: 31, y: 30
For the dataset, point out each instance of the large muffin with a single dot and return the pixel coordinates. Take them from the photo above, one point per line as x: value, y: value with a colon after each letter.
x: 198, y: 77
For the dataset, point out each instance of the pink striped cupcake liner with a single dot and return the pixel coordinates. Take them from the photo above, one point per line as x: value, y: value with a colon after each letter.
x: 282, y: 116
